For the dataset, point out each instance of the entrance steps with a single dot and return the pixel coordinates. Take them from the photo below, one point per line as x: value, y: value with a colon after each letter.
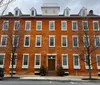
x: 51, y: 73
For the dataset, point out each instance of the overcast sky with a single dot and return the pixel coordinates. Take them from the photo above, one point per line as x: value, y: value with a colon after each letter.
x: 74, y: 5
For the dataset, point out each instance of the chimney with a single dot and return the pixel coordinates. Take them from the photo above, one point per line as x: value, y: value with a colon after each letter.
x: 91, y: 12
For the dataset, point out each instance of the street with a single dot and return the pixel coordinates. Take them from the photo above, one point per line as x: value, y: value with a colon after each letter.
x: 46, y: 83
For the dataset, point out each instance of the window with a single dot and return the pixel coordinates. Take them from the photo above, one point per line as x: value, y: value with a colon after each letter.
x: 95, y: 25
x: 14, y: 61
x: 75, y: 41
x: 38, y: 40
x: 51, y: 25
x: 63, y: 25
x: 87, y: 58
x: 86, y: 41
x: 37, y: 60
x: 51, y: 40
x: 32, y: 12
x: 76, y: 61
x: 25, y: 60
x: 2, y: 55
x: 17, y: 25
x: 27, y: 25
x: 64, y: 41
x: 3, y: 40
x: 85, y: 25
x: 98, y: 61
x: 97, y: 41
x: 38, y: 25
x: 5, y: 25
x: 65, y: 61
x: 74, y: 26
x: 16, y: 12
x: 15, y: 40
x: 27, y: 41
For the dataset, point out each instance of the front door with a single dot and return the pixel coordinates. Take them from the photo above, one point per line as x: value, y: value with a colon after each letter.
x: 51, y: 64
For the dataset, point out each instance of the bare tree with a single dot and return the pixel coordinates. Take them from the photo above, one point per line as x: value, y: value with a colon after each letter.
x: 88, y: 44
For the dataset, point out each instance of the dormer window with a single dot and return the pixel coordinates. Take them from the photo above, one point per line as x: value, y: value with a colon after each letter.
x: 33, y: 11
x: 83, y: 12
x: 16, y: 12
x: 67, y: 12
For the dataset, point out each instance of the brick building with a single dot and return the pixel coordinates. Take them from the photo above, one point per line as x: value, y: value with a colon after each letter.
x: 49, y: 39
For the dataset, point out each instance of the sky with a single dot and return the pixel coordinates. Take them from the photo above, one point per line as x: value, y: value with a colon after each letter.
x: 74, y: 5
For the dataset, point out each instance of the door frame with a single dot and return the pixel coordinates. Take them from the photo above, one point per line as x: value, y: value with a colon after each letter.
x: 55, y: 59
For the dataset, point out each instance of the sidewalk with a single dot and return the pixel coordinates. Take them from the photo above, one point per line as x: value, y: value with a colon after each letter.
x: 51, y: 78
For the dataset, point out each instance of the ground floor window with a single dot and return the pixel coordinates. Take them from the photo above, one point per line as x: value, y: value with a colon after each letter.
x: 2, y: 60
x: 37, y: 60
x: 98, y: 61
x: 65, y: 61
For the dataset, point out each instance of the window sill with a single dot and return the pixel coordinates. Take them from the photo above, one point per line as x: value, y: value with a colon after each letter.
x: 14, y: 66
x: 36, y: 67
x: 65, y: 67
x: 1, y: 66
x: 26, y: 46
x: 87, y: 67
x: 76, y: 67
x: 24, y: 67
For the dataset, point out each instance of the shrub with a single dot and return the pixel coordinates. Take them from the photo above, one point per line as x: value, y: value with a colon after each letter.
x: 42, y: 71
x: 60, y: 71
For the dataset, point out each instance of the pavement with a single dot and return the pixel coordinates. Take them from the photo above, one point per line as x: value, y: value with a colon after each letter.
x: 50, y: 78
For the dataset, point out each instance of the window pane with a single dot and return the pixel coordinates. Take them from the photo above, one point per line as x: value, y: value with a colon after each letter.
x: 74, y: 25
x: 15, y: 40
x: 25, y: 59
x: 51, y: 41
x: 1, y: 59
x: 27, y: 41
x: 51, y: 25
x: 75, y: 41
x: 27, y: 25
x: 63, y: 25
x: 76, y: 63
x: 38, y: 41
x: 97, y: 40
x: 95, y: 25
x: 4, y: 38
x: 85, y: 25
x: 37, y: 59
x: 64, y: 60
x: 39, y: 25
x: 17, y: 25
x: 86, y: 41
x: 98, y: 59
x: 5, y: 25
x: 64, y: 41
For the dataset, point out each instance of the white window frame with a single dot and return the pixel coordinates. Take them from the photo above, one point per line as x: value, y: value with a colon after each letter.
x: 7, y: 25
x: 25, y: 66
x: 2, y: 66
x: 50, y: 27
x: 29, y: 25
x: 76, y: 26
x: 37, y: 66
x: 62, y: 25
x: 65, y: 66
x: 86, y: 66
x: 98, y: 67
x: 14, y: 24
x: 78, y: 66
x: 54, y: 40
x: 37, y: 26
x: 84, y: 40
x: 40, y: 41
x: 83, y: 26
x: 25, y: 40
x: 73, y: 41
x: 1, y: 40
x: 95, y: 40
x: 62, y: 40
x: 14, y: 66
x: 98, y: 26
x: 13, y: 40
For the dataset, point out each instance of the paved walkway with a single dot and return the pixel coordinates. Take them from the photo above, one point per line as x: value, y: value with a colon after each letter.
x: 55, y: 78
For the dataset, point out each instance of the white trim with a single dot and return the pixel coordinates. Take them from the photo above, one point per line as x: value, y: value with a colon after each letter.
x: 19, y: 24
x: 54, y: 25
x: 37, y: 25
x: 5, y: 41
x: 54, y: 40
x: 84, y: 40
x: 29, y: 25
x: 95, y: 40
x: 2, y: 66
x: 25, y: 40
x: 83, y: 26
x: 40, y: 36
x: 14, y: 66
x: 52, y: 54
x: 37, y: 66
x: 25, y: 66
x: 98, y: 26
x: 62, y: 25
x: 7, y: 25
x: 62, y: 40
x: 98, y: 67
x: 86, y: 66
x: 76, y: 26
x: 76, y: 67
x: 65, y: 66
x: 73, y: 41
